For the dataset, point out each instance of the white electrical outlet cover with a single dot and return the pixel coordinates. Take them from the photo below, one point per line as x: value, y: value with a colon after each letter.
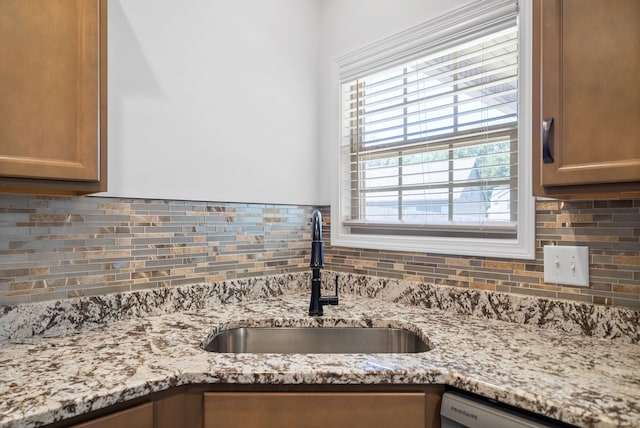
x: 566, y: 265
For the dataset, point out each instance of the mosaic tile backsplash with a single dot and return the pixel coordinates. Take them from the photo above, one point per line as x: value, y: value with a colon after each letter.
x: 55, y: 247
x: 611, y: 230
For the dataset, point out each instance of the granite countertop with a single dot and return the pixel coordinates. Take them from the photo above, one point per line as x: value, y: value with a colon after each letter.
x: 580, y: 380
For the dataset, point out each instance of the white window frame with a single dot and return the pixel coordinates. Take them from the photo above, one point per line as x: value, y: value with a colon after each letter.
x: 378, y: 56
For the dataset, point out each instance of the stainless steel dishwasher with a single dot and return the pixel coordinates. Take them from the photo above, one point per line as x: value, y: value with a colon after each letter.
x: 463, y: 411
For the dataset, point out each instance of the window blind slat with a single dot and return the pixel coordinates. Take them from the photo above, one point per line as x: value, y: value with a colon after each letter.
x: 503, y: 75
x: 500, y: 99
x: 440, y: 70
x: 467, y: 138
x: 435, y: 64
x: 412, y: 75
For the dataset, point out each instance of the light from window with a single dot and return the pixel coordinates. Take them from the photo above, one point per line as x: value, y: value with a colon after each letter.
x: 434, y: 141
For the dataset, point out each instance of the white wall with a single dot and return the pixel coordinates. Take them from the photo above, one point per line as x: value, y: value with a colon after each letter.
x: 347, y: 25
x: 214, y: 100
x: 223, y: 100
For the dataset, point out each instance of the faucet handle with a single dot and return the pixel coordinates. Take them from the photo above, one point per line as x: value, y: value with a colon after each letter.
x: 332, y: 300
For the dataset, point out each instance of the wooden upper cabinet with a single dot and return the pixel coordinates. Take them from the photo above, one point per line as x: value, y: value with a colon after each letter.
x: 586, y: 105
x: 53, y: 95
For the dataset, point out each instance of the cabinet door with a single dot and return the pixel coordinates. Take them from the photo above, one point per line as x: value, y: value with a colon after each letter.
x: 179, y: 410
x: 137, y: 417
x: 317, y: 410
x: 52, y: 89
x: 587, y: 57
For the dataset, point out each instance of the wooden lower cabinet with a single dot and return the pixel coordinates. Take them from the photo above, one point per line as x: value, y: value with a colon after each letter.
x: 319, y: 410
x: 140, y: 416
x: 265, y: 406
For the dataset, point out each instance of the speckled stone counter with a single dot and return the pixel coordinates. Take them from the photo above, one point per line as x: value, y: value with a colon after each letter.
x: 71, y: 368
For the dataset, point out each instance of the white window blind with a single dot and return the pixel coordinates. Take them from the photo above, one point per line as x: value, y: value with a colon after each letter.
x: 429, y: 141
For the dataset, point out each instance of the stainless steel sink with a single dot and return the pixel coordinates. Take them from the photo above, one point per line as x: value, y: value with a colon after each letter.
x: 316, y: 340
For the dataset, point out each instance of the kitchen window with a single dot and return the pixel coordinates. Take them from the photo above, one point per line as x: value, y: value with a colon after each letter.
x: 434, y: 154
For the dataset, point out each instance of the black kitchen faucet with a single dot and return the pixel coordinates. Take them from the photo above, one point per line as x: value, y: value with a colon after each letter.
x: 317, y: 263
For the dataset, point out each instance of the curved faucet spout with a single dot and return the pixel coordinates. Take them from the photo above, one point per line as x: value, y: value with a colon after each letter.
x: 317, y: 253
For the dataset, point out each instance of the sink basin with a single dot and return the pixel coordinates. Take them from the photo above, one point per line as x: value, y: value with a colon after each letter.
x: 316, y: 340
